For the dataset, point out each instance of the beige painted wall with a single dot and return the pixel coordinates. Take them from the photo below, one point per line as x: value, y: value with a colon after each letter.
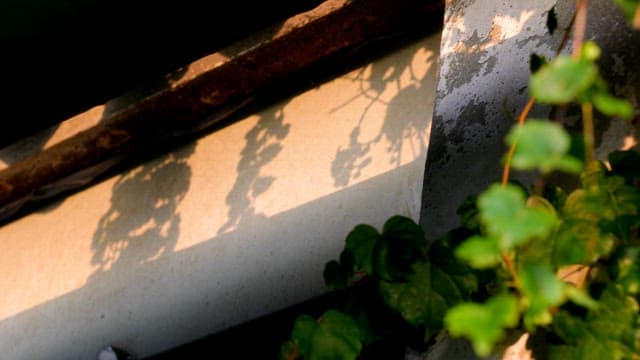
x: 233, y: 226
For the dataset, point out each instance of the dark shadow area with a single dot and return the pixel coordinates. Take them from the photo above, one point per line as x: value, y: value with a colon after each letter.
x: 61, y: 57
x: 266, y: 335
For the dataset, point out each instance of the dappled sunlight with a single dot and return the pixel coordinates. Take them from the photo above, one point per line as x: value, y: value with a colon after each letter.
x: 387, y: 127
x: 501, y: 27
x: 193, y: 237
x: 133, y: 231
x: 347, y: 131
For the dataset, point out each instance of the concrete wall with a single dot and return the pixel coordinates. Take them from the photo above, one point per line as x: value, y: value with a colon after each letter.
x: 230, y: 227
x: 483, y: 85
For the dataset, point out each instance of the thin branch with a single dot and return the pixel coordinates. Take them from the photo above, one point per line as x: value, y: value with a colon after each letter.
x: 527, y: 108
x: 580, y: 27
x: 588, y: 132
x: 511, y: 268
x: 521, y: 119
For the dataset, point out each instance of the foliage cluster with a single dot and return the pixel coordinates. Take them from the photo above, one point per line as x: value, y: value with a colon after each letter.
x: 508, y: 266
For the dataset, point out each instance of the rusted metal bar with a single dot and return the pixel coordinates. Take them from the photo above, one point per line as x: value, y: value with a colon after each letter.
x: 210, y: 90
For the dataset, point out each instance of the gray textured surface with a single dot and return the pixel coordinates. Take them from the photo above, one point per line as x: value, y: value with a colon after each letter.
x: 484, y: 71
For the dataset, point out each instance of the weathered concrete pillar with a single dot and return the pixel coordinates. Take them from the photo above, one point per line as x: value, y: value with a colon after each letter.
x: 483, y: 82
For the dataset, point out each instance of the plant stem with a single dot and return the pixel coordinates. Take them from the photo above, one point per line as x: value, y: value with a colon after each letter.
x: 580, y: 27
x: 527, y: 108
x: 511, y: 268
x: 521, y: 119
x: 588, y: 131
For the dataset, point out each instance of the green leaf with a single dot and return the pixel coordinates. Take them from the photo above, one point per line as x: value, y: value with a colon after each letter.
x: 603, y: 198
x: 609, y: 331
x: 468, y: 212
x: 333, y: 336
x: 427, y: 295
x: 484, y: 324
x: 382, y: 266
x: 507, y: 218
x: 404, y: 231
x: 539, y: 202
x: 612, y: 106
x: 333, y: 276
x: 361, y: 242
x: 596, y: 218
x: 626, y: 269
x: 563, y: 80
x: 579, y: 241
x: 542, y: 290
x: 441, y: 255
x: 402, y: 244
x: 542, y: 145
x: 480, y: 252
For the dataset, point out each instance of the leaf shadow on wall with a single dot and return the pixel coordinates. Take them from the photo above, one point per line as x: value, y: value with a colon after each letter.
x: 131, y: 233
x: 403, y: 124
x: 263, y: 144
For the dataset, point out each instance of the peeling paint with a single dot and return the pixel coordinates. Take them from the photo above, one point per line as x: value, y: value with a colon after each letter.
x: 483, y: 82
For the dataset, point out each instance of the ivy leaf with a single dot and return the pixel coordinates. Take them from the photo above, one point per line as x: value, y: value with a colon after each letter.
x: 484, y: 323
x: 626, y: 269
x: 603, y: 198
x: 612, y: 106
x: 580, y: 241
x: 542, y: 145
x: 402, y: 244
x: 427, y: 295
x: 333, y: 336
x: 480, y: 252
x: 563, y: 80
x: 361, y: 242
x: 405, y: 232
x: 333, y: 276
x: 542, y: 290
x: 441, y: 255
x: 606, y: 332
x: 596, y: 218
x: 468, y: 212
x: 507, y: 218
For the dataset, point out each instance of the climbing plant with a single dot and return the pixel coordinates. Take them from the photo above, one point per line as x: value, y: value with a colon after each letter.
x: 562, y: 264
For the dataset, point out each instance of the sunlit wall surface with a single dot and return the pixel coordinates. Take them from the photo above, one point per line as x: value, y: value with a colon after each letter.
x: 230, y: 227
